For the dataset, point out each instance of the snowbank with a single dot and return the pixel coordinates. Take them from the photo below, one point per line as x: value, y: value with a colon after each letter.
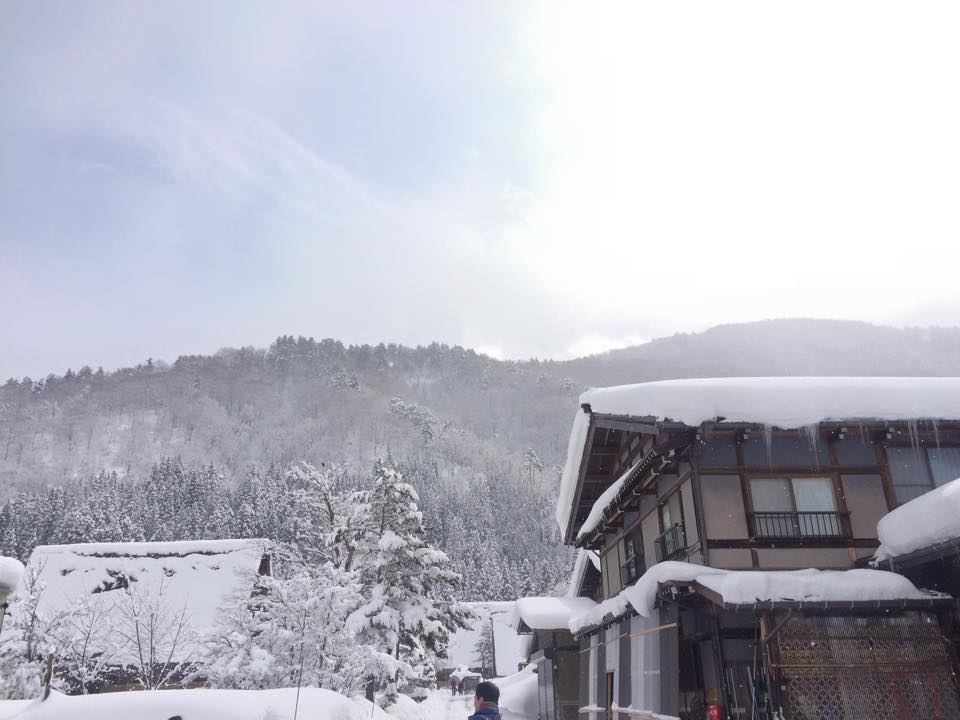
x: 192, y: 704
x: 11, y: 570
x: 793, y: 402
x: 9, y: 708
x: 551, y: 613
x: 518, y: 695
x: 753, y: 586
x: 928, y: 520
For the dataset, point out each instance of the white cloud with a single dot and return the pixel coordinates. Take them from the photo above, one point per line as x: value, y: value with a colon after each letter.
x: 728, y: 161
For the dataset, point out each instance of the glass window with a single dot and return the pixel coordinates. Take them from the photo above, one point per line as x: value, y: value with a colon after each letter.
x: 784, y: 451
x: 856, y: 451
x: 816, y: 507
x: 944, y: 464
x: 718, y: 452
x: 794, y: 507
x: 908, y: 471
x: 670, y: 512
x: 771, y: 495
x: 632, y: 567
x: 814, y: 494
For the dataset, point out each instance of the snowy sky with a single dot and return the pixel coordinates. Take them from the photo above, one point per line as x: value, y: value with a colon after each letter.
x: 529, y: 179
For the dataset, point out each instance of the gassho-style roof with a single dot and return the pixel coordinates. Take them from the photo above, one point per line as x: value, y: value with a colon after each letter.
x: 199, y: 577
x: 776, y: 402
x: 750, y: 590
x: 549, y: 613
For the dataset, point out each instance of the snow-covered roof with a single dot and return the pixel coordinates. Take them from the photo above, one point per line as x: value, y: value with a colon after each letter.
x: 464, y: 672
x: 924, y: 522
x: 198, y: 576
x: 510, y: 648
x: 746, y: 587
x: 602, y: 502
x: 11, y: 570
x: 783, y: 402
x: 550, y: 613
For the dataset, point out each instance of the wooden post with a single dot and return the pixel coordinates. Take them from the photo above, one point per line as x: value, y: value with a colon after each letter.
x: 47, y: 678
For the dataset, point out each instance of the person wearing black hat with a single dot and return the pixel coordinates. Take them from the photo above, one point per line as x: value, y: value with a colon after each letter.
x: 485, y: 702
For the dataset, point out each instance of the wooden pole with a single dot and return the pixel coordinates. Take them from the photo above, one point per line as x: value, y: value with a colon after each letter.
x: 47, y: 678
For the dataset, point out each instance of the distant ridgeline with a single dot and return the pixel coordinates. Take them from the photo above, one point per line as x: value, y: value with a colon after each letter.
x: 462, y: 426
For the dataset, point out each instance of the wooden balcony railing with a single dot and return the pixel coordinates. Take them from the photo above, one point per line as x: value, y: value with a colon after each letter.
x: 806, y: 524
x: 671, y: 543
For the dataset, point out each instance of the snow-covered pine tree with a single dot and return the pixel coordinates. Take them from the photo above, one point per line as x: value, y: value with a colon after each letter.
x: 407, y: 616
x: 259, y: 641
x: 484, y: 649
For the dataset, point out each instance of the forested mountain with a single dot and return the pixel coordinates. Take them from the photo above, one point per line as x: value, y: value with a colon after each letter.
x: 480, y: 439
x: 776, y: 347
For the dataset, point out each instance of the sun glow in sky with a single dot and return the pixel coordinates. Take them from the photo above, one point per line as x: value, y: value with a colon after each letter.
x: 543, y: 179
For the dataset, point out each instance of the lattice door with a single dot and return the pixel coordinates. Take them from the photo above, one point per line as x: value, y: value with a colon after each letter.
x: 893, y: 666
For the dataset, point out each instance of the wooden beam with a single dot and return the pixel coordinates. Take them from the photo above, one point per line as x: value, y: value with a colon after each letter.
x: 633, y: 426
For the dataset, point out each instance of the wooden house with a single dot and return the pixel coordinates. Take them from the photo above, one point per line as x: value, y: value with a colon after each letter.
x: 142, y: 608
x: 757, y: 477
x: 553, y: 651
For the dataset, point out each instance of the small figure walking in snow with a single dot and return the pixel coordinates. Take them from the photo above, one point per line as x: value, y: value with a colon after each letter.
x: 486, y: 702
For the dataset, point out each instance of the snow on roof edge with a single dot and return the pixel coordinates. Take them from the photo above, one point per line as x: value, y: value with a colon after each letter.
x: 144, y: 549
x: 784, y: 402
x: 741, y: 587
x: 549, y: 613
x: 924, y: 522
x: 606, y: 497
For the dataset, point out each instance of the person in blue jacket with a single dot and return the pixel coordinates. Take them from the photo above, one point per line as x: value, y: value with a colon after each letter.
x: 485, y: 702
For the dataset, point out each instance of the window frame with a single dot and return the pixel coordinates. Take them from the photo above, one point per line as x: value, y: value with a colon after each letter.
x: 923, y: 452
x: 797, y: 516
x: 632, y: 566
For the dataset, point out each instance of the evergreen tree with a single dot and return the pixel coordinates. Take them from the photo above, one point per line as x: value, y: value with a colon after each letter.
x: 407, y: 616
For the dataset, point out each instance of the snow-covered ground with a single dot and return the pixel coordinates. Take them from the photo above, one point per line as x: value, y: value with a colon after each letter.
x: 518, y: 702
x: 315, y: 704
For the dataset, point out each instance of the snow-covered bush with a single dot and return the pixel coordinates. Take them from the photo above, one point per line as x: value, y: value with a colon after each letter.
x: 29, y: 637
x: 290, y: 632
